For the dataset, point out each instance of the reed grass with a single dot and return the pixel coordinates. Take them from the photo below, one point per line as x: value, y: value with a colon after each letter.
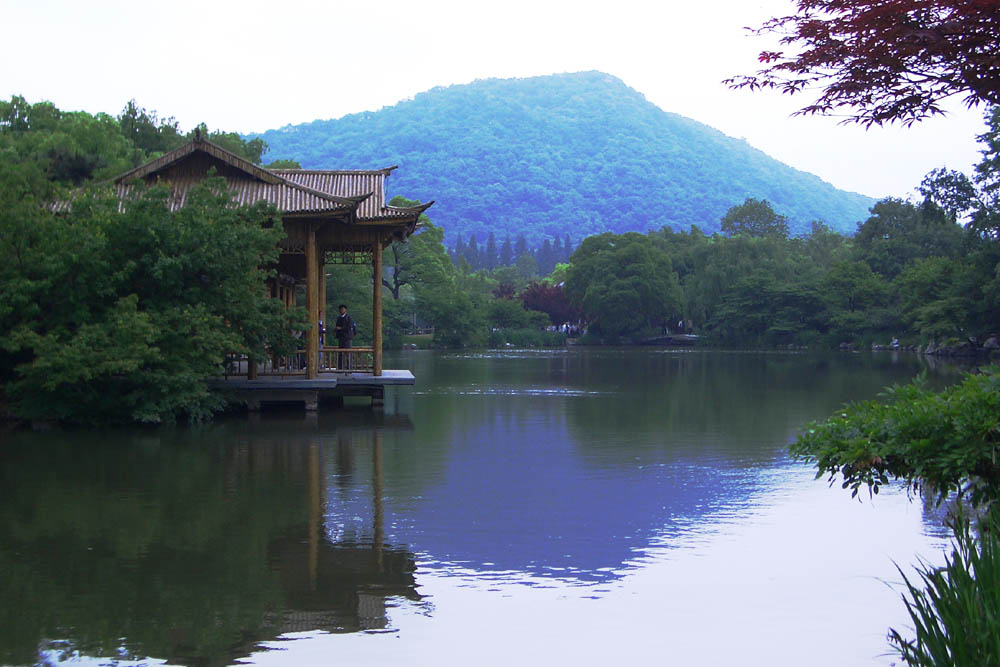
x: 955, y: 608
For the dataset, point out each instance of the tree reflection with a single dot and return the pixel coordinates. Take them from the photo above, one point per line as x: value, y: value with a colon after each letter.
x: 131, y: 545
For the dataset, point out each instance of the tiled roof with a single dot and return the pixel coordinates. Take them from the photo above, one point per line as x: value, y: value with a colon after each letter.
x: 287, y: 197
x: 360, y: 195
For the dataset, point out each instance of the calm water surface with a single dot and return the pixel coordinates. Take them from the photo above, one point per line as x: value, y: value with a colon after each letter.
x: 553, y: 507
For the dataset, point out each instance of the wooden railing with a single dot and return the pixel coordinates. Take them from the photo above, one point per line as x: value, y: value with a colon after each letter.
x: 331, y: 359
x: 355, y: 359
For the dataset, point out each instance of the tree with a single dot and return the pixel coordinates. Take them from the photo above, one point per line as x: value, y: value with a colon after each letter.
x: 938, y: 297
x: 421, y: 261
x: 550, y: 300
x: 472, y: 254
x: 624, y: 284
x: 458, y: 251
x: 527, y: 267
x: 120, y: 313
x: 506, y: 253
x: 147, y: 132
x: 248, y: 149
x: 754, y: 218
x: 283, y: 164
x: 509, y: 314
x: 899, y: 232
x: 978, y: 197
x: 70, y: 147
x: 520, y: 247
x: 489, y: 254
x: 884, y: 61
x: 546, y: 258
x: 856, y: 300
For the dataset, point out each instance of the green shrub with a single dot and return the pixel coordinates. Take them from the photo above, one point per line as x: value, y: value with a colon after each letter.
x: 944, y: 443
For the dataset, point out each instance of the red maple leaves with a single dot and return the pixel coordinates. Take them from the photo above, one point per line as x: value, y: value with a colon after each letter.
x: 879, y: 61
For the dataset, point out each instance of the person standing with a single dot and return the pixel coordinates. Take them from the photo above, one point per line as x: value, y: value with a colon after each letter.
x: 344, y: 331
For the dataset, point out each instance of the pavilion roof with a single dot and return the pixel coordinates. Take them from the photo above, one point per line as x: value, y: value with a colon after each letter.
x: 356, y: 195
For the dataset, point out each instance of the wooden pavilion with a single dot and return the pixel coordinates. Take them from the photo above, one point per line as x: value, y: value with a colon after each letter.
x: 328, y: 217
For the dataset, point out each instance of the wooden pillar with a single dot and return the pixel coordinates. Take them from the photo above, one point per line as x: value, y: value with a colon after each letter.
x: 324, y: 361
x: 314, y: 484
x: 312, y: 305
x: 379, y: 511
x: 322, y: 290
x: 377, y: 308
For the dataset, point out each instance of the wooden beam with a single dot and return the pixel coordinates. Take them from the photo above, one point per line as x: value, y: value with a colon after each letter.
x: 377, y: 308
x: 312, y: 305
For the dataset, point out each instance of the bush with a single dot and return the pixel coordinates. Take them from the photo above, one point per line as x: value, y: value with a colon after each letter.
x: 943, y: 443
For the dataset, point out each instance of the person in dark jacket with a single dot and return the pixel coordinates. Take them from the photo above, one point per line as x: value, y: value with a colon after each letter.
x: 344, y: 331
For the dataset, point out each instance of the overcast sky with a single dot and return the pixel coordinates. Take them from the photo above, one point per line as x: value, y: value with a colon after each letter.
x: 253, y: 66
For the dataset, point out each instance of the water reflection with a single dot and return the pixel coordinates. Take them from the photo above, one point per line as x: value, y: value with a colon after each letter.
x: 512, y: 474
x: 568, y: 464
x: 192, y: 547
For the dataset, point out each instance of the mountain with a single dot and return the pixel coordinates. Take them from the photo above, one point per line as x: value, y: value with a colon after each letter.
x: 575, y: 154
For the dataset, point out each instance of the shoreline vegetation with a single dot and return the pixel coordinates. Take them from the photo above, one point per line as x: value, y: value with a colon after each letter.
x: 101, y: 306
x: 942, y: 446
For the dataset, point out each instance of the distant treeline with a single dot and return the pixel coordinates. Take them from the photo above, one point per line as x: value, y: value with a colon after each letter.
x: 911, y: 273
x: 532, y: 261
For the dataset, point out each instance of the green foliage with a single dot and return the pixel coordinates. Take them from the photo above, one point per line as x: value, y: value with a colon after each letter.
x: 283, y: 164
x: 148, y: 133
x: 67, y: 147
x: 578, y: 154
x: 754, y: 218
x: 624, y: 284
x: 351, y: 285
x: 899, y: 232
x: 248, y: 149
x: 977, y: 198
x: 120, y: 314
x: 507, y: 314
x: 421, y: 262
x: 857, y: 301
x: 941, y: 443
x: 955, y: 609
x: 937, y: 297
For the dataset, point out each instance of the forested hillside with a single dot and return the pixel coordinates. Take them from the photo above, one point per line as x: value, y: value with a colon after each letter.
x: 576, y: 154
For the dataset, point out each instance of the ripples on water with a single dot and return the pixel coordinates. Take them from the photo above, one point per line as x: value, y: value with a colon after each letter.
x: 580, y: 506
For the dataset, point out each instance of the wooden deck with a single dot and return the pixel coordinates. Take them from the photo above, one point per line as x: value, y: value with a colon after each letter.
x: 327, y: 388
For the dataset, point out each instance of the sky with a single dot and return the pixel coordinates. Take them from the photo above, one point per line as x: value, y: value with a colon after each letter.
x: 252, y: 66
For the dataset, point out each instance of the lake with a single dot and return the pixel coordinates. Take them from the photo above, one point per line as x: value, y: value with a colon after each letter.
x: 579, y: 506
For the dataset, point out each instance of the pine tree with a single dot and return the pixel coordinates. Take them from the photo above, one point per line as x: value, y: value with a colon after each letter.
x: 506, y: 253
x: 545, y: 258
x: 489, y: 256
x: 472, y: 254
x: 520, y: 247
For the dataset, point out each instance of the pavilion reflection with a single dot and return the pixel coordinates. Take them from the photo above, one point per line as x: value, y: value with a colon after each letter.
x: 193, y: 546
x: 345, y: 585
